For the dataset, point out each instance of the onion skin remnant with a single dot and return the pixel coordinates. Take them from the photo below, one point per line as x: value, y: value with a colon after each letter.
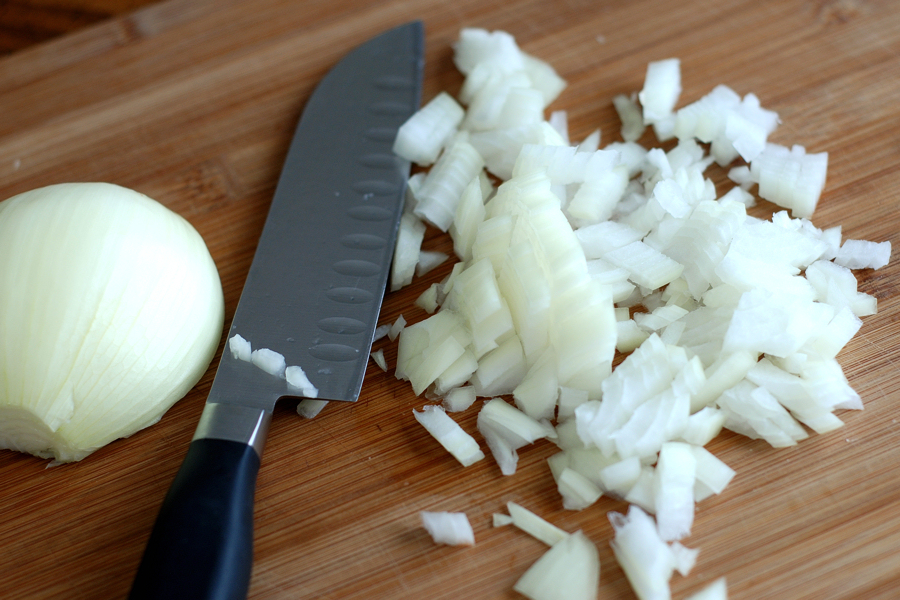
x: 111, y: 310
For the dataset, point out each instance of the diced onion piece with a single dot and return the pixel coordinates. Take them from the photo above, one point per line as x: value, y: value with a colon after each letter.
x: 501, y: 370
x: 514, y: 425
x: 861, y: 254
x: 570, y: 399
x: 459, y: 399
x: 427, y: 300
x: 778, y: 324
x: 297, y: 380
x: 560, y: 122
x: 646, y: 266
x: 712, y: 474
x: 619, y: 477
x: 428, y: 260
x: 380, y: 332
x: 685, y: 558
x: 534, y: 525
x: 630, y: 114
x: 790, y: 177
x: 646, y: 559
x: 469, y: 215
x: 536, y: 395
x: 662, y: 86
x: 501, y: 520
x: 450, y: 528
x: 422, y: 136
x: 506, y: 429
x: 642, y: 492
x: 309, y: 408
x: 429, y: 348
x: 406, y: 253
x: 703, y: 426
x: 396, y: 328
x: 269, y: 361
x: 591, y: 143
x: 378, y: 357
x: 569, y: 569
x: 676, y: 473
x: 544, y: 78
x: 754, y: 412
x: 443, y: 187
x: 239, y: 347
x: 578, y: 492
x: 476, y: 46
x: 451, y: 436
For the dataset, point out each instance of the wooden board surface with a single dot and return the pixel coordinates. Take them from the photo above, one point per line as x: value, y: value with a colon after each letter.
x: 193, y: 103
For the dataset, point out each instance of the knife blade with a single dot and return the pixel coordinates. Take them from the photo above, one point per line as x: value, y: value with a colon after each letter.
x: 312, y: 294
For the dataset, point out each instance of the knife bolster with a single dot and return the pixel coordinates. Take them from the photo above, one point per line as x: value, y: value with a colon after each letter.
x: 235, y: 423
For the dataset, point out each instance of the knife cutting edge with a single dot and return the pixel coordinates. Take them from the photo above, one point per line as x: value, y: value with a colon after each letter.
x: 313, y: 294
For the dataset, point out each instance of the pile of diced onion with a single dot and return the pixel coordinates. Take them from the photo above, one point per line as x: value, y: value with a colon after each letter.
x: 580, y: 251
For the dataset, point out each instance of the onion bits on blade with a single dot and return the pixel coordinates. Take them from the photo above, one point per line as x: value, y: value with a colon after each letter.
x: 111, y: 309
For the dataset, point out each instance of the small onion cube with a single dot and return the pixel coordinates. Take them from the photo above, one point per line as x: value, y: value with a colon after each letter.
x: 239, y: 347
x: 269, y: 361
x: 297, y: 380
x: 422, y: 136
x: 378, y: 358
x: 685, y: 558
x: 459, y: 399
x: 646, y: 559
x: 396, y: 328
x: 577, y: 491
x: 674, y: 487
x: 406, y: 251
x: 450, y: 528
x: 569, y: 569
x: 862, y: 254
x: 309, y: 408
x: 501, y: 520
x: 662, y: 86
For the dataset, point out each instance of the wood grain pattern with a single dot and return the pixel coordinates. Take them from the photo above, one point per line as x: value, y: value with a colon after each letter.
x: 194, y: 102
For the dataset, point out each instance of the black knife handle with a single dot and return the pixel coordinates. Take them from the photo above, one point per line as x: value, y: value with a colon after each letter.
x: 201, y: 547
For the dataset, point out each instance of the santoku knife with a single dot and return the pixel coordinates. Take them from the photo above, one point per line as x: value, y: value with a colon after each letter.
x: 313, y: 294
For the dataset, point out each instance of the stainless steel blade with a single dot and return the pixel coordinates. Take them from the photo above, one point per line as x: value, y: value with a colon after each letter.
x: 317, y: 280
x: 313, y: 294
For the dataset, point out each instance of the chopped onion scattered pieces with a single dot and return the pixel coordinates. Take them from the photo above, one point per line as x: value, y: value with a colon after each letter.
x: 729, y: 321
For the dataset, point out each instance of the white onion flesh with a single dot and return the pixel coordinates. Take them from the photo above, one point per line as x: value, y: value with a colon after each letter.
x: 449, y: 434
x: 569, y: 569
x: 534, y: 525
x: 730, y: 321
x: 452, y: 529
x: 110, y: 311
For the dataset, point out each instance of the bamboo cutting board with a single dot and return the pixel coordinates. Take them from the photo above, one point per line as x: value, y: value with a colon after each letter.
x: 194, y: 103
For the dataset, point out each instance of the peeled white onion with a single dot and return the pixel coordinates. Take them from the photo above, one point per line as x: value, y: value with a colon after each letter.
x: 111, y: 309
